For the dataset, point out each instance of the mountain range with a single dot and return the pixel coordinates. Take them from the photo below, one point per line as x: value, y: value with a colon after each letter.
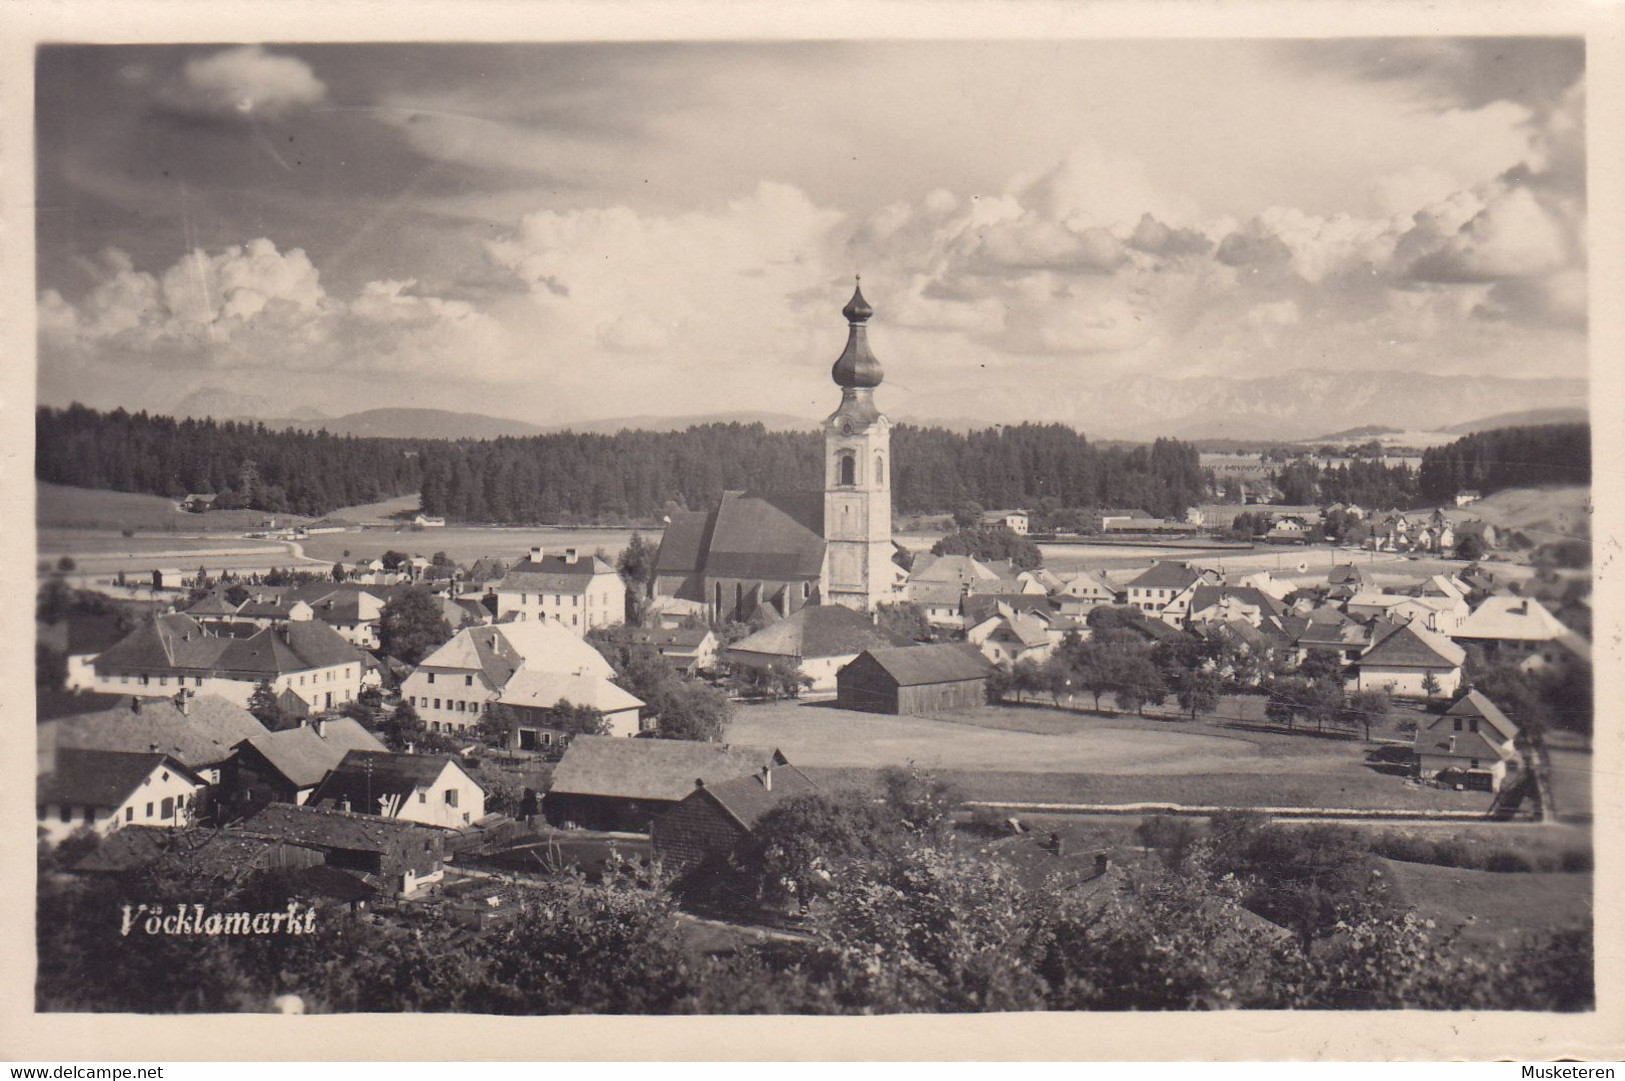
x: 1294, y: 405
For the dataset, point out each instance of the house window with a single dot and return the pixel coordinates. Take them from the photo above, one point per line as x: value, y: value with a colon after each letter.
x: 129, y: 814
x: 149, y: 810
x: 462, y: 706
x: 431, y: 677
x: 437, y: 703
x: 67, y: 812
x: 1472, y: 764
x: 169, y: 807
x: 451, y: 797
x: 468, y: 681
x: 423, y: 797
x: 575, y: 620
x: 1458, y: 724
x: 1472, y: 725
x: 197, y: 681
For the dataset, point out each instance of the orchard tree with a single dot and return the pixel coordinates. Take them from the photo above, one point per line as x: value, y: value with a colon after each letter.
x: 1197, y: 690
x: 263, y: 704
x: 693, y: 711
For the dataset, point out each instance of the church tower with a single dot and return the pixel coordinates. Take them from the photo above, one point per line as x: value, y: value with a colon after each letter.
x: 858, y: 565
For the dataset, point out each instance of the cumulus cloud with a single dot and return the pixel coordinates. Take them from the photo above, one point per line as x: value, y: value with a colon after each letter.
x: 1514, y: 236
x: 1158, y: 238
x: 244, y: 82
x: 253, y: 308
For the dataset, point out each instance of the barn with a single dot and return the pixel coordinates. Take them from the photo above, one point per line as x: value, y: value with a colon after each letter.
x: 612, y: 783
x: 714, y: 818
x: 915, y: 680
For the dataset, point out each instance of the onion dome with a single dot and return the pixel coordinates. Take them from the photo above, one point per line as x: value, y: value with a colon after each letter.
x: 857, y: 366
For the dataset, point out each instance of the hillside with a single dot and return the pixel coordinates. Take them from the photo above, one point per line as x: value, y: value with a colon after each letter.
x: 1523, y: 419
x: 1543, y: 513
x: 61, y: 507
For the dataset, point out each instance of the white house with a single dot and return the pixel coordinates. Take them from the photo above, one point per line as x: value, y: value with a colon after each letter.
x: 104, y: 790
x: 1517, y: 629
x: 1472, y: 738
x: 1401, y: 662
x: 428, y: 789
x: 574, y: 589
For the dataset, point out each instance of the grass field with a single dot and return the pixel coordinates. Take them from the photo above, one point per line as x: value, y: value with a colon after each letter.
x: 465, y: 544
x: 60, y: 507
x: 1503, y: 907
x: 1051, y: 756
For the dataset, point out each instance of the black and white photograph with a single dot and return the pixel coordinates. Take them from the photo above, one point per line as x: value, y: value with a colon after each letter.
x: 842, y: 525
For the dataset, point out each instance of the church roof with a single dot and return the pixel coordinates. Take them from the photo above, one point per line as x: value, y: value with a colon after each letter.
x: 857, y: 366
x: 778, y: 536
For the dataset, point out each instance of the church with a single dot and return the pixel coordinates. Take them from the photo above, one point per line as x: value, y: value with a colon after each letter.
x: 773, y: 553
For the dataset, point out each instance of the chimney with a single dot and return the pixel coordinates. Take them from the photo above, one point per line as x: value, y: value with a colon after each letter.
x: 536, y: 553
x: 183, y: 701
x: 320, y: 725
x: 570, y: 555
x: 344, y: 804
x: 767, y: 778
x: 1102, y: 861
x: 152, y: 748
x: 699, y: 782
x: 135, y: 703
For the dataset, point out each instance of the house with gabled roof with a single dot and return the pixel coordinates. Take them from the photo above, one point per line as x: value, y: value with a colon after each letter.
x: 1224, y: 604
x: 1472, y: 739
x: 166, y: 653
x: 428, y: 789
x: 465, y: 677
x: 392, y: 855
x: 626, y: 784
x: 714, y: 819
x: 1521, y: 631
x: 818, y: 640
x: 532, y: 695
x: 1085, y: 591
x: 1009, y: 637
x: 101, y: 791
x: 200, y: 732
x: 919, y: 680
x: 286, y: 766
x: 1163, y: 590
x: 1401, y: 661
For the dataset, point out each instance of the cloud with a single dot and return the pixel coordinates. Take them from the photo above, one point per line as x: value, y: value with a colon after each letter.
x: 1153, y: 236
x: 244, y: 82
x: 1464, y: 73
x: 1254, y: 248
x: 1514, y: 236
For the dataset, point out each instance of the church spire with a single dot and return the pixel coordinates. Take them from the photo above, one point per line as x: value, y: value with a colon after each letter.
x: 857, y: 366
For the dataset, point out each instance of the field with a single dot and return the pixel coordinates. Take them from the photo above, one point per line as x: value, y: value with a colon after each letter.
x: 1493, y: 906
x: 1545, y: 514
x: 60, y: 507
x: 465, y: 544
x: 1042, y: 755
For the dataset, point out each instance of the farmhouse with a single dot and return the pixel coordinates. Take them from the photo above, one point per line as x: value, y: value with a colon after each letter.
x: 286, y: 766
x: 395, y: 856
x: 714, y: 818
x: 605, y: 783
x: 533, y: 693
x: 101, y: 791
x: 915, y: 680
x: 1472, y: 738
x: 200, y: 733
x: 1402, y: 661
x: 1520, y: 630
x: 818, y: 640
x: 429, y: 789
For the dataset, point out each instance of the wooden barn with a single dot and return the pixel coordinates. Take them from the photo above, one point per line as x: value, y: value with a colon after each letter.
x: 610, y: 783
x: 714, y: 818
x: 915, y: 680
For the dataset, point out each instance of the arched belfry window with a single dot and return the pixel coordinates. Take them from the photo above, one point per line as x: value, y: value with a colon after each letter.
x: 880, y: 469
x: 846, y: 468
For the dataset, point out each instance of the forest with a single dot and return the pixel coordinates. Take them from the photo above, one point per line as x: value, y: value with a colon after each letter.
x: 580, y: 477
x: 632, y: 476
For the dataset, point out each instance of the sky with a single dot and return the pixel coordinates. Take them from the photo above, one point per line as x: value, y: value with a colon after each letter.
x: 576, y: 231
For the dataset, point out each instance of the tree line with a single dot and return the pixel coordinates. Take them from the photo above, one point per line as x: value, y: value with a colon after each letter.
x: 587, y: 477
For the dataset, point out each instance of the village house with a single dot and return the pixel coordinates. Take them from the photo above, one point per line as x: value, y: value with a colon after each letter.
x: 395, y: 856
x: 921, y: 680
x: 817, y: 640
x: 532, y: 694
x: 1224, y: 604
x: 782, y: 551
x: 1085, y: 591
x: 456, y: 683
x: 603, y: 783
x: 1472, y: 739
x: 428, y: 789
x: 166, y: 653
x: 1521, y: 631
x: 1164, y: 590
x: 939, y: 602
x: 100, y: 791
x: 1016, y: 521
x: 573, y: 589
x: 1009, y: 637
x: 198, y: 502
x: 199, y: 732
x: 712, y: 820
x: 286, y: 766
x: 1401, y: 661
x: 688, y: 650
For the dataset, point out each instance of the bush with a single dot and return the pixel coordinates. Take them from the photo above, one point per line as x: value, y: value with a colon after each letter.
x: 1454, y: 853
x: 1574, y: 861
x: 1170, y: 836
x: 988, y: 822
x: 1505, y: 862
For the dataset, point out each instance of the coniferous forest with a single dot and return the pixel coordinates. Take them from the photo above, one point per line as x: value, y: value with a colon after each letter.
x: 637, y: 475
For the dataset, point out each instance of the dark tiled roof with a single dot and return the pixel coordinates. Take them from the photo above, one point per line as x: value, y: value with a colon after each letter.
x: 820, y: 630
x: 747, y: 799
x: 777, y: 536
x: 651, y: 769
x: 361, y: 777
x: 304, y: 757
x: 980, y: 606
x: 1475, y: 704
x: 180, y: 643
x: 553, y: 574
x: 1206, y: 596
x: 203, y: 736
x: 99, y: 778
x: 330, y: 829
x: 1408, y: 647
x: 938, y: 662
x: 1165, y: 576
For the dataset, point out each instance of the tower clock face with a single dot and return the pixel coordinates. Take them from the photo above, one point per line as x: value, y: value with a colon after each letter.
x: 846, y: 427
